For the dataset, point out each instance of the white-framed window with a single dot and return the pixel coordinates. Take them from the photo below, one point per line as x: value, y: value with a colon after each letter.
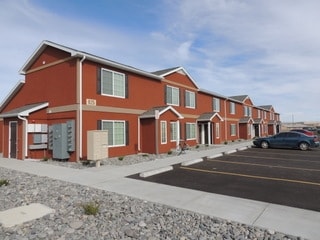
x: 247, y: 111
x: 271, y: 116
x: 163, y: 125
x: 190, y: 130
x: 259, y: 113
x: 264, y: 114
x: 217, y: 130
x: 233, y: 129
x: 116, y: 132
x: 216, y: 104
x: 232, y: 108
x: 173, y: 131
x: 190, y: 99
x: 113, y: 83
x: 172, y: 95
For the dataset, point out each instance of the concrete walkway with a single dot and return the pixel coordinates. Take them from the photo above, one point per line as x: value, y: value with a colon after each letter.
x: 293, y: 221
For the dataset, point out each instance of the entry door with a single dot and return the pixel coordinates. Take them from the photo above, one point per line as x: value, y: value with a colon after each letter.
x: 13, y: 139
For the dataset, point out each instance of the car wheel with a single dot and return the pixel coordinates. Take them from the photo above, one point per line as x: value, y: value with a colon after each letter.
x: 303, y: 146
x: 264, y: 144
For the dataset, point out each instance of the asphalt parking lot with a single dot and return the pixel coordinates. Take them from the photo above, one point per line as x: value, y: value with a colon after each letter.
x: 280, y: 176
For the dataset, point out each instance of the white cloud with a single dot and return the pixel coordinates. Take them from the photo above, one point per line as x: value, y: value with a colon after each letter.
x: 266, y: 49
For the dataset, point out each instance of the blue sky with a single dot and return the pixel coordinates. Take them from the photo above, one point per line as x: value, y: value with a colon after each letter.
x: 268, y: 50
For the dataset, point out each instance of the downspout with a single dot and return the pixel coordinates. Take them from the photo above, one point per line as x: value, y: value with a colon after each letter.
x: 80, y: 106
x: 25, y: 136
x: 225, y: 122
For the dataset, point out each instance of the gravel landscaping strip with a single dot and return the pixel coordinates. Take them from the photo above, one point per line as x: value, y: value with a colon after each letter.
x: 118, y: 217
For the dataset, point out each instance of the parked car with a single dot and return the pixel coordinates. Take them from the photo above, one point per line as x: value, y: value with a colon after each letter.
x: 307, y: 132
x: 288, y: 140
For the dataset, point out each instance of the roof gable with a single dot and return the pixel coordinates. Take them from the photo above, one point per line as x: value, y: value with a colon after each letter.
x: 158, y: 111
x: 179, y: 70
x: 209, y: 116
x: 80, y: 54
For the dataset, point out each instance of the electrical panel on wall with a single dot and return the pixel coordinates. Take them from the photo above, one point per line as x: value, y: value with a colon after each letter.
x: 61, y: 139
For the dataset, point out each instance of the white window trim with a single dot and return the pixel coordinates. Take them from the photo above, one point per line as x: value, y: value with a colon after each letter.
x: 233, y: 127
x: 164, y: 131
x: 232, y: 108
x: 216, y: 105
x: 173, y: 104
x: 124, y: 132
x: 173, y: 138
x: 193, y: 99
x: 195, y: 129
x: 113, y: 72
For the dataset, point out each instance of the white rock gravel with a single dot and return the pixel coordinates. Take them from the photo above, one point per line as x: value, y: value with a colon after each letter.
x: 119, y: 217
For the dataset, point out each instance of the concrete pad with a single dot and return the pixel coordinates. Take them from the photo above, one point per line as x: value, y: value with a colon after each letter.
x: 242, y: 148
x: 19, y: 215
x: 216, y: 155
x: 230, y: 151
x: 155, y: 171
x: 188, y: 163
x: 298, y: 222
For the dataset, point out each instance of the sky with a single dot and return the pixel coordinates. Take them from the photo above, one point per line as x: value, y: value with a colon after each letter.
x: 268, y: 50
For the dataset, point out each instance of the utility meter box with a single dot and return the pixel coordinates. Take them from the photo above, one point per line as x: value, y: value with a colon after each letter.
x: 97, y: 145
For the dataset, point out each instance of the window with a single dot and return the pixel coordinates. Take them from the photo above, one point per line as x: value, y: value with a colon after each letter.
x: 259, y: 113
x: 116, y: 132
x: 232, y: 108
x: 173, y: 131
x: 113, y: 83
x: 216, y: 105
x: 217, y: 130
x: 190, y: 99
x: 247, y: 111
x: 190, y: 130
x: 163, y: 132
x: 233, y: 130
x: 172, y: 95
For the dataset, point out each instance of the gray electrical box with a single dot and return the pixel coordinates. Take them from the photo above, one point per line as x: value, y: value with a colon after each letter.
x: 61, y: 139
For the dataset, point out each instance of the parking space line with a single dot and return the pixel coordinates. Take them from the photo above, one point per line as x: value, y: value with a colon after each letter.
x: 264, y: 165
x: 252, y: 176
x: 293, y: 160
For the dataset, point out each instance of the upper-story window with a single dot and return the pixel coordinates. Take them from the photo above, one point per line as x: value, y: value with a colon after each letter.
x: 247, y: 111
x: 216, y: 104
x: 259, y: 113
x: 232, y: 108
x: 190, y: 99
x: 113, y: 83
x: 172, y: 95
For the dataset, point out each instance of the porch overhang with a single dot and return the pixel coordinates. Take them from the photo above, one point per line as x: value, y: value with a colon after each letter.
x: 24, y: 111
x: 207, y: 117
x: 153, y: 112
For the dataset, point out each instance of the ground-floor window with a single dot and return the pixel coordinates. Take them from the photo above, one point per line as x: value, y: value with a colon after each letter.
x: 116, y: 132
x: 163, y: 132
x: 233, y: 129
x: 217, y: 130
x: 190, y: 130
x: 173, y: 131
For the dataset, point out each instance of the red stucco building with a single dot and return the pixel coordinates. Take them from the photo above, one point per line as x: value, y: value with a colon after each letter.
x: 67, y: 93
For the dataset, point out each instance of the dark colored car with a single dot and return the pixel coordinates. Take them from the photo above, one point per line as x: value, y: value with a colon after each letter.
x: 307, y: 132
x: 288, y: 140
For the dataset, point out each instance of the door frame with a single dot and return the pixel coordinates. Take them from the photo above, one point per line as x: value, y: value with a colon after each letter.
x: 16, y: 139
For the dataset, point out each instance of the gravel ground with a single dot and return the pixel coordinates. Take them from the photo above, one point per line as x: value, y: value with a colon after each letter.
x: 118, y: 217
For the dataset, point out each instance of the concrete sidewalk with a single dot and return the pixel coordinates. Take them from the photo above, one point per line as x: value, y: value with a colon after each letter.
x: 293, y: 221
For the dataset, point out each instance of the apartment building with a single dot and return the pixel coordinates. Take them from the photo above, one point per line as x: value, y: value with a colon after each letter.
x: 67, y: 93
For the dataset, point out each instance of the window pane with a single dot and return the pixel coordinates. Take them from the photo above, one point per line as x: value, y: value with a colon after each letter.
x: 173, y: 131
x: 163, y: 131
x: 108, y: 126
x: 119, y: 133
x: 119, y: 84
x: 107, y: 83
